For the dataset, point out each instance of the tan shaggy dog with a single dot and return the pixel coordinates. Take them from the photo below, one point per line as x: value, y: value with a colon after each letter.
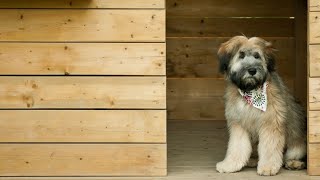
x: 278, y: 134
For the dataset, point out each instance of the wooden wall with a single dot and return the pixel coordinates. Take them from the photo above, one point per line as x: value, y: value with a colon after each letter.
x: 313, y: 88
x: 82, y: 88
x: 195, y: 29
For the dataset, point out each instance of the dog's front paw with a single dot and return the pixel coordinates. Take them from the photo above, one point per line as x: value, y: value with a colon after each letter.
x: 227, y: 167
x: 268, y: 170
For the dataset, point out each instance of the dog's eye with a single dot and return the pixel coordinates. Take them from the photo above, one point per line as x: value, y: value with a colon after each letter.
x: 256, y: 55
x: 241, y: 55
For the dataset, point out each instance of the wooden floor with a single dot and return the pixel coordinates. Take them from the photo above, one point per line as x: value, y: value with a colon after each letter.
x: 194, y: 147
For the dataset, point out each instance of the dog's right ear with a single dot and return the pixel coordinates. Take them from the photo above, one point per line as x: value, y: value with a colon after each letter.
x: 227, y: 50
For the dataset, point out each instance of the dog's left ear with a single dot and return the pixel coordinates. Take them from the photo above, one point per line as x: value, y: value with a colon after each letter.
x: 227, y: 50
x: 270, y: 56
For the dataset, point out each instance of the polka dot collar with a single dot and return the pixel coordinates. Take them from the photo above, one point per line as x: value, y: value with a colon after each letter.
x: 256, y: 97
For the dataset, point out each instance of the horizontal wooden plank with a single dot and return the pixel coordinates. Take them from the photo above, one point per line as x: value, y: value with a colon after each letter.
x: 314, y: 5
x: 314, y: 27
x: 82, y: 4
x: 198, y: 98
x: 196, y: 57
x: 195, y: 99
x: 83, y: 126
x: 226, y: 27
x: 314, y: 60
x: 230, y: 8
x: 314, y: 94
x: 314, y: 126
x: 82, y: 159
x: 83, y: 92
x: 314, y: 159
x: 82, y: 58
x: 82, y: 25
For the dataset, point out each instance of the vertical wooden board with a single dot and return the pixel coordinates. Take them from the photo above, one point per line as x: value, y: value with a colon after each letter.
x: 82, y: 25
x: 228, y: 27
x: 314, y: 127
x: 314, y: 159
x: 82, y: 4
x: 83, y: 92
x: 230, y: 8
x: 83, y: 126
x: 82, y: 58
x: 314, y: 5
x: 314, y: 27
x: 314, y: 58
x: 314, y: 94
x: 83, y: 159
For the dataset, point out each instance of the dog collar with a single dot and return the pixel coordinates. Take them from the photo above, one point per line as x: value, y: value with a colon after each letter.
x: 256, y: 97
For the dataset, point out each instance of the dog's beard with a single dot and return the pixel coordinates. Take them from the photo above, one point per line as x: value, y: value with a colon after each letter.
x: 247, y: 83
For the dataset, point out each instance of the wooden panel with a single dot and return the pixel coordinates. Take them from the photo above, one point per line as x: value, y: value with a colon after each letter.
x: 227, y: 27
x: 314, y: 5
x: 196, y: 57
x: 82, y: 159
x: 314, y: 94
x: 314, y: 27
x: 82, y: 58
x: 199, y: 98
x: 82, y: 92
x: 82, y: 4
x: 82, y: 25
x: 195, y: 99
x: 314, y: 126
x: 314, y: 58
x: 83, y: 126
x: 314, y: 159
x: 230, y: 8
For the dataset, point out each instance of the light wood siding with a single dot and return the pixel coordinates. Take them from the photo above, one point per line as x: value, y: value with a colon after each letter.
x: 82, y: 25
x: 83, y: 88
x: 82, y: 159
x: 313, y: 88
x: 82, y: 58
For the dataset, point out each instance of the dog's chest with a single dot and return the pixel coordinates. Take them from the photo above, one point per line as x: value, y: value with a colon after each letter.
x: 237, y: 109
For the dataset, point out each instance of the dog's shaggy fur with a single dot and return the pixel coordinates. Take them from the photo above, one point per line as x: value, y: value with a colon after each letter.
x: 278, y: 134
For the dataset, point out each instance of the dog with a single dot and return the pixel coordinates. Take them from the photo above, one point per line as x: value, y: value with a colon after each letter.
x: 267, y: 127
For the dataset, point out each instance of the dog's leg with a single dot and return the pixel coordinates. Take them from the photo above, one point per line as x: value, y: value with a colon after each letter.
x: 294, y: 155
x: 239, y: 150
x: 253, y: 161
x: 270, y: 149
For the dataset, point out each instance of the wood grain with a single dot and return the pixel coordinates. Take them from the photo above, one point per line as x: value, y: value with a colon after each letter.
x: 230, y: 8
x: 314, y: 159
x: 82, y: 4
x: 83, y: 126
x: 314, y: 94
x: 195, y: 99
x: 82, y: 25
x: 314, y: 127
x: 314, y: 58
x: 82, y: 58
x: 83, y: 92
x: 314, y: 27
x: 199, y: 98
x: 196, y: 57
x: 314, y: 5
x: 83, y: 159
x: 228, y: 27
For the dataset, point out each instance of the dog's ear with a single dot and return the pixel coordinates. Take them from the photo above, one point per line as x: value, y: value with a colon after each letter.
x: 270, y: 56
x: 227, y: 50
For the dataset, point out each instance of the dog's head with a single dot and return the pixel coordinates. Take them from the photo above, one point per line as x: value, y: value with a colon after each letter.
x: 246, y: 62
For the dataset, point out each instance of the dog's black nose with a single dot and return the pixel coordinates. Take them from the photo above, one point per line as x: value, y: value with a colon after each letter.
x: 252, y: 71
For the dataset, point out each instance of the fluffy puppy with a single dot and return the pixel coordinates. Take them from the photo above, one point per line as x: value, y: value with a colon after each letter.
x: 277, y: 133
